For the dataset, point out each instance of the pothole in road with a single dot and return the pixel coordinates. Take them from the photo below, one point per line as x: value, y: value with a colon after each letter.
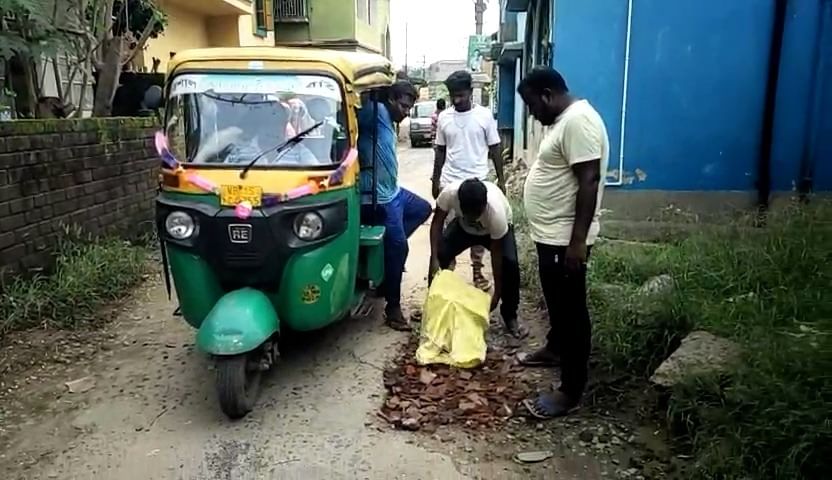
x: 427, y: 397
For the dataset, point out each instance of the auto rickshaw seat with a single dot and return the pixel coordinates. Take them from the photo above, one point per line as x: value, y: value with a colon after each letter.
x: 371, y: 235
x: 371, y: 259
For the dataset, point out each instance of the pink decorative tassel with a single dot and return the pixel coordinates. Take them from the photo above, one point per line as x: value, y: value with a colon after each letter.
x: 301, y: 191
x: 338, y: 175
x: 243, y: 210
x: 161, y: 141
x: 202, y: 183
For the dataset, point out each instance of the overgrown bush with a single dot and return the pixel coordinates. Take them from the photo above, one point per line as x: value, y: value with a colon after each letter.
x: 88, y: 272
x: 768, y: 289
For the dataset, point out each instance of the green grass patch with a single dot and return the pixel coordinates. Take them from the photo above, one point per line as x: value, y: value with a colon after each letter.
x: 769, y: 290
x: 88, y: 273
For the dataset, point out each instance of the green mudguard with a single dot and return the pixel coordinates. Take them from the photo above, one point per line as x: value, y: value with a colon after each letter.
x: 239, y: 322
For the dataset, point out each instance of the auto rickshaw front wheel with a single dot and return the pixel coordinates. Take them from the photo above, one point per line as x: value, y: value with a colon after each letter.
x: 238, y: 383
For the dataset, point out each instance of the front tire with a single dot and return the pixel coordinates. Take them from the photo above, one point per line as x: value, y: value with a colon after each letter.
x: 237, y: 385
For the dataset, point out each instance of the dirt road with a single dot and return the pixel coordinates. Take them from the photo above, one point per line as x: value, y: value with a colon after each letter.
x: 146, y: 407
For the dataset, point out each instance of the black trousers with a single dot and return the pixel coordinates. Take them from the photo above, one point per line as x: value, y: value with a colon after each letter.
x: 570, y: 332
x: 455, y: 240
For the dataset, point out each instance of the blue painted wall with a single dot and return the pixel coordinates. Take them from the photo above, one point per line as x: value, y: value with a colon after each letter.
x: 697, y: 80
x: 505, y: 97
x: 822, y: 142
x: 593, y: 65
x: 803, y: 124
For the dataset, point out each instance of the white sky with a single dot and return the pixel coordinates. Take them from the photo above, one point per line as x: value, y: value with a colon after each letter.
x: 437, y: 29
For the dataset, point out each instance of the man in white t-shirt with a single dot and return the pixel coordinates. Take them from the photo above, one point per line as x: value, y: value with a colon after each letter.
x: 482, y: 216
x: 466, y: 135
x: 562, y: 200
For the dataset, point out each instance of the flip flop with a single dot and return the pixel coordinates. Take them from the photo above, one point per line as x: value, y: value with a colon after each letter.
x: 397, y: 322
x: 524, y: 458
x: 546, y: 407
x: 519, y: 332
x: 483, y: 284
x: 534, y: 360
x: 401, y: 326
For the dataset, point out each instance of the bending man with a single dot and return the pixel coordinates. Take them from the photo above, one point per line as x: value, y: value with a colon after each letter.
x: 482, y: 217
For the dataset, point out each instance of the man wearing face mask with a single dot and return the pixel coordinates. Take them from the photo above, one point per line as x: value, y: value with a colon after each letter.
x: 399, y: 210
x: 466, y: 135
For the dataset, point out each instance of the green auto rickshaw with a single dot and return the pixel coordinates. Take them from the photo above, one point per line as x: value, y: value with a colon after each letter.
x: 259, y: 201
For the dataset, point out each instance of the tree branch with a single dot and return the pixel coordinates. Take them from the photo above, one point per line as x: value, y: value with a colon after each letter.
x: 148, y: 31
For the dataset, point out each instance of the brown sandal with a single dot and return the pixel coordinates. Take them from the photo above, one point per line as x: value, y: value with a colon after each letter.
x: 482, y: 283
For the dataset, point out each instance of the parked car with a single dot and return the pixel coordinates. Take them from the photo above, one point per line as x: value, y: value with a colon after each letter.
x: 420, y: 124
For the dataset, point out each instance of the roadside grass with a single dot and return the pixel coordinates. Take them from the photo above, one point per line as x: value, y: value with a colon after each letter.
x: 88, y: 272
x: 768, y: 290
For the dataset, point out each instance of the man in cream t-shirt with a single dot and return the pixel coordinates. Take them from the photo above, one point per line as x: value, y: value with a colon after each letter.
x: 562, y: 199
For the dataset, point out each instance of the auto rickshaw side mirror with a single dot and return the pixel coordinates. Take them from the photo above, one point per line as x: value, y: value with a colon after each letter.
x: 153, y: 97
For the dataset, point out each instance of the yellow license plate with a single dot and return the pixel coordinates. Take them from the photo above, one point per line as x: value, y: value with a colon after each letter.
x: 231, y: 195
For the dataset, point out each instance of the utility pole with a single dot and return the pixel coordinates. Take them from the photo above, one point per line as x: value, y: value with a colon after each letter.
x: 405, y: 49
x: 479, y: 9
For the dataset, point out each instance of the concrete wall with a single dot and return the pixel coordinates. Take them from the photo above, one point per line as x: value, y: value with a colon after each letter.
x: 439, y: 71
x: 246, y: 27
x: 97, y: 173
x: 186, y: 29
x: 195, y: 28
x: 222, y: 31
x: 803, y: 124
x: 328, y: 20
x: 372, y: 34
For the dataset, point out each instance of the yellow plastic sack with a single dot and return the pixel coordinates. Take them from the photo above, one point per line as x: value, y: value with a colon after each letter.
x: 454, y: 322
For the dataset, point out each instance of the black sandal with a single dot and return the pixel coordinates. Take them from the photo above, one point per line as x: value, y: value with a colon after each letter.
x: 549, y: 405
x: 516, y: 330
x: 396, y: 321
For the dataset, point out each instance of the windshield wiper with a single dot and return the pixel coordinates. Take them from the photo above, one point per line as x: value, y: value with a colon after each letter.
x: 281, y: 147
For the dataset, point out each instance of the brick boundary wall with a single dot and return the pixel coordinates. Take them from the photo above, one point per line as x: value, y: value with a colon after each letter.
x: 99, y: 174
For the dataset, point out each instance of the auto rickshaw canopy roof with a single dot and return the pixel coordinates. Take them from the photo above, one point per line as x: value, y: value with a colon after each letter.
x: 361, y: 70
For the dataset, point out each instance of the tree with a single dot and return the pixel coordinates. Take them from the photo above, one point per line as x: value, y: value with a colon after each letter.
x: 101, y: 36
x: 26, y: 33
x: 120, y: 29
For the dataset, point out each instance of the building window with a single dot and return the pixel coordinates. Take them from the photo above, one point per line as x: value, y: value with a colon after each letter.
x: 366, y: 10
x: 292, y: 11
x: 263, y: 17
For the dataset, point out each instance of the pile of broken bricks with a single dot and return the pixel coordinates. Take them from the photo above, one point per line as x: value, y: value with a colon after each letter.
x: 427, y: 397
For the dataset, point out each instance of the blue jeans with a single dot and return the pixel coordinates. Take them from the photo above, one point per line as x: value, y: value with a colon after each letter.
x: 400, y: 218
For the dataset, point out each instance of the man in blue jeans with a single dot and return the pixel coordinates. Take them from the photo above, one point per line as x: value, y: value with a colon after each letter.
x: 398, y: 210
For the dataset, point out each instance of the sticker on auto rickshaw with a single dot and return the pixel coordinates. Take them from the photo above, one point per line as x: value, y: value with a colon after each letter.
x: 231, y: 195
x: 327, y: 272
x: 311, y: 294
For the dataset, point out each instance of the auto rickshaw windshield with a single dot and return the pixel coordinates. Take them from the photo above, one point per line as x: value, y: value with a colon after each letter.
x: 237, y: 118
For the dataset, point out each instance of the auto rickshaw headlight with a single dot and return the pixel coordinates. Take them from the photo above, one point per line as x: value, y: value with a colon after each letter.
x: 180, y: 225
x: 309, y: 226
